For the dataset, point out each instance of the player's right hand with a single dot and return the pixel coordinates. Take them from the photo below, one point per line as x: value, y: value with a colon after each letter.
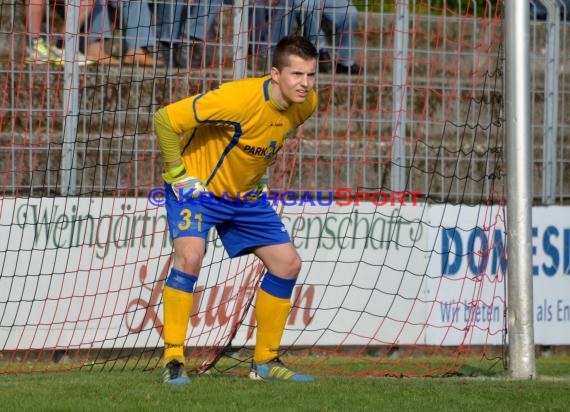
x: 184, y: 185
x: 188, y: 186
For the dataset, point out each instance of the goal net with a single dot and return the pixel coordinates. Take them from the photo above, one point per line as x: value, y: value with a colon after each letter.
x: 393, y: 192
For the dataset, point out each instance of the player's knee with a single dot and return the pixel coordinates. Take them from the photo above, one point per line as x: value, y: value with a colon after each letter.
x: 292, y: 268
x: 188, y: 260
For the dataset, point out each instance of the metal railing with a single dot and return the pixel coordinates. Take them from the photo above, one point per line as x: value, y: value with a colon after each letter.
x: 452, y: 107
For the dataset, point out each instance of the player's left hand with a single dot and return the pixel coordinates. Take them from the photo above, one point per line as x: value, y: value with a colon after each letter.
x: 262, y: 187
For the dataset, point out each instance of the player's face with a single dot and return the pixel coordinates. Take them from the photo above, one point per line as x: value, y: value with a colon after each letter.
x: 294, y: 82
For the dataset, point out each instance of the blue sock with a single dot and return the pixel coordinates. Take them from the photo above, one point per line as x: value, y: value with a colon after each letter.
x: 181, y: 281
x: 276, y: 286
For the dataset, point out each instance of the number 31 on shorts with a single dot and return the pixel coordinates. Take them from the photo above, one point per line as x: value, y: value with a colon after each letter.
x: 187, y: 220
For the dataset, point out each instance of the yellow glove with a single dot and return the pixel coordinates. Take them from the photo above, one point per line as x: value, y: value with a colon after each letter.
x: 183, y: 185
x: 262, y: 187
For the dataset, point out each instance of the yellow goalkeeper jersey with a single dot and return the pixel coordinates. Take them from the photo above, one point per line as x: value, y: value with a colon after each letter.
x: 230, y: 135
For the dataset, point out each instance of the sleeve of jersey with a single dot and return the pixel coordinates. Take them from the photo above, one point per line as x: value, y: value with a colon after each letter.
x: 168, y: 139
x: 214, y: 106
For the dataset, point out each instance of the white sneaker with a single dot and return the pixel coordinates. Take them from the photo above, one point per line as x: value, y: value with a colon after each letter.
x: 79, y: 58
x: 39, y: 52
x: 83, y: 60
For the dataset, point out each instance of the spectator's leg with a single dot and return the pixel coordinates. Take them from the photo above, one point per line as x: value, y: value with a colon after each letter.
x: 170, y: 15
x: 139, y: 35
x: 37, y: 50
x: 85, y: 9
x: 258, y: 22
x: 201, y: 22
x: 310, y: 16
x: 279, y: 23
x: 99, y: 30
x: 281, y: 20
x: 344, y: 17
x: 199, y: 28
x: 35, y: 16
x: 170, y: 19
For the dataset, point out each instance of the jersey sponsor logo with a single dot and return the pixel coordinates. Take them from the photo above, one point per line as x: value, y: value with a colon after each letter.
x: 260, y: 151
x: 257, y: 151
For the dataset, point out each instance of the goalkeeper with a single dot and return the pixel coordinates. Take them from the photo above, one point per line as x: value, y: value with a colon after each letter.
x: 222, y: 142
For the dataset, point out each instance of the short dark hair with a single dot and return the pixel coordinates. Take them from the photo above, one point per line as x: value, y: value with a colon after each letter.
x: 293, y: 45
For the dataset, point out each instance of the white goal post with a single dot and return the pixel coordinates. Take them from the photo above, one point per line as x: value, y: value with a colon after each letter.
x: 519, y: 196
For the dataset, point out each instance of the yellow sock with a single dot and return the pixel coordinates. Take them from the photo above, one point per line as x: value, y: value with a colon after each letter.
x: 177, y: 311
x: 271, y: 314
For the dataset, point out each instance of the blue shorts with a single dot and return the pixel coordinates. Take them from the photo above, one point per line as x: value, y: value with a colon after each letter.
x: 241, y: 226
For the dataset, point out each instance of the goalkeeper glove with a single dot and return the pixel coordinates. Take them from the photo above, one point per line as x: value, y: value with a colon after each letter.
x: 183, y: 185
x: 262, y: 187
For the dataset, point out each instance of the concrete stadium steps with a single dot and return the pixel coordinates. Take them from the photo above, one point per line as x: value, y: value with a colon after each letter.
x: 353, y: 123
